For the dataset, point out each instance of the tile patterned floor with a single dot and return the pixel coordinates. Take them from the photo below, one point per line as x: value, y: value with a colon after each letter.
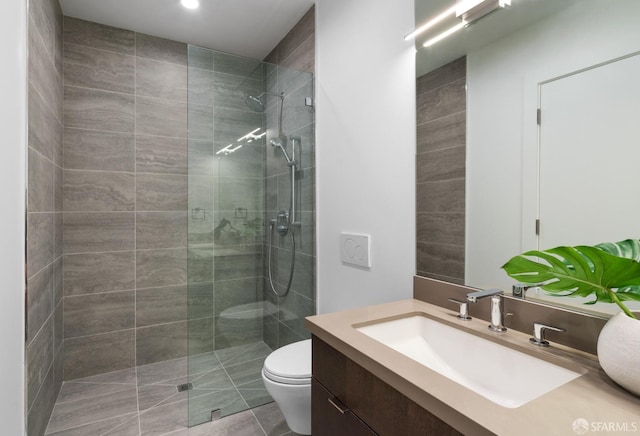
x: 144, y: 401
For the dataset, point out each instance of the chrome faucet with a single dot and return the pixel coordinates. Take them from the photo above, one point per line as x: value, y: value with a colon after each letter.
x: 497, y: 315
x: 463, y: 312
x: 538, y: 333
x: 519, y: 290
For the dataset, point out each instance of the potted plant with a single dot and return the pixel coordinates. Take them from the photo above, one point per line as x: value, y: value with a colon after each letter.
x: 610, y: 272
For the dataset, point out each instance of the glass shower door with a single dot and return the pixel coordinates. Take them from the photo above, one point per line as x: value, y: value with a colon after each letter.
x: 239, y: 110
x: 226, y: 178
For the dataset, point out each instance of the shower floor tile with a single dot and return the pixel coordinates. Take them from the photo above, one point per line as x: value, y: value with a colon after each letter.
x: 145, y: 401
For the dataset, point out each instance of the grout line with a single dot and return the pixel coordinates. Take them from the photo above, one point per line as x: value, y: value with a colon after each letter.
x: 135, y: 223
x: 93, y: 422
x: 54, y: 406
x: 439, y: 213
x: 100, y: 334
x: 427, y: 90
x: 98, y: 383
x: 439, y: 150
x: 44, y: 323
x: 62, y: 168
x: 110, y: 431
x: 441, y: 181
x: 85, y: 129
x: 451, y: 115
x: 434, y: 150
x: 101, y: 90
x: 47, y: 104
x: 235, y: 387
x: 439, y: 243
x: 255, y: 345
x: 203, y: 374
x: 29, y: 409
x: 97, y: 49
x: 258, y: 421
x: 161, y: 403
x: 35, y: 150
x: 98, y: 171
x: 99, y: 394
x: 132, y: 211
x: 99, y: 293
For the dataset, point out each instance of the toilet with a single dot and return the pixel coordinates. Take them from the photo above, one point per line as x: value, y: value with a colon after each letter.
x: 287, y: 376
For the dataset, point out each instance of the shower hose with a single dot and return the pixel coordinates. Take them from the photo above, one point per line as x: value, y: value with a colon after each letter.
x: 293, y: 259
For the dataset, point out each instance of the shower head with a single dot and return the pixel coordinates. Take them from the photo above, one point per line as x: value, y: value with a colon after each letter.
x: 276, y: 142
x: 256, y: 103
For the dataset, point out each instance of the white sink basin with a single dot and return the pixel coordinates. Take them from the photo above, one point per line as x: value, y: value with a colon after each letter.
x: 505, y: 376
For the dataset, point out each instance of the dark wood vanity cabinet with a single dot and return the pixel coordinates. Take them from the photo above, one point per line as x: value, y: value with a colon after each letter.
x: 348, y: 400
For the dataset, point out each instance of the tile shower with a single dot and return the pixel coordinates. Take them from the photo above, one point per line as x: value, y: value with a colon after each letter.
x: 138, y: 286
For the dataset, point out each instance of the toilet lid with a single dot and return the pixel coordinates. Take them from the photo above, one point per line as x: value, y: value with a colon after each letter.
x: 292, y: 361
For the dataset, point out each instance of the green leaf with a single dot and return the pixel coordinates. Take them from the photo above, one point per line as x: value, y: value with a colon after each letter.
x: 629, y: 248
x: 582, y: 271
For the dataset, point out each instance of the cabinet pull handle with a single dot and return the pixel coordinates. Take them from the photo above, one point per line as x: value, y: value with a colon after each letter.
x: 338, y: 405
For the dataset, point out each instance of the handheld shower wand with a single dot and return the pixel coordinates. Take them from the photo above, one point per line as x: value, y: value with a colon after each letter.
x: 286, y: 220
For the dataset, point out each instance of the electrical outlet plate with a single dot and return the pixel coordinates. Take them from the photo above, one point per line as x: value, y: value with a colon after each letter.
x: 354, y: 249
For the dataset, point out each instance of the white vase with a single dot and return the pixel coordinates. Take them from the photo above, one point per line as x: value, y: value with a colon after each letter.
x: 619, y: 351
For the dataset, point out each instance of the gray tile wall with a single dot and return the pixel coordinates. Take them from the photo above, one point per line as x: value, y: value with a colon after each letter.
x: 44, y: 333
x: 440, y: 172
x: 293, y: 59
x: 124, y: 198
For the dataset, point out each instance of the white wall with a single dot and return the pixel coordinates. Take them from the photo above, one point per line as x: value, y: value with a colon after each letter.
x: 365, y: 153
x: 502, y: 81
x: 13, y: 112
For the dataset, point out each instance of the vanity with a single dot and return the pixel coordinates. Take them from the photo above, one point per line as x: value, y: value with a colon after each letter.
x: 363, y: 387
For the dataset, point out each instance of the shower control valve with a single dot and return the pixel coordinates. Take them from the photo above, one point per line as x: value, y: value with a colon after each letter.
x: 282, y: 224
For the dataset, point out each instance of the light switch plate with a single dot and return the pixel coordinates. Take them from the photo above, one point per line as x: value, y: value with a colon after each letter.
x: 354, y: 249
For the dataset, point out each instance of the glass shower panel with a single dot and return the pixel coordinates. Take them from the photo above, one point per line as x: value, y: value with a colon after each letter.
x: 236, y: 107
x: 226, y: 160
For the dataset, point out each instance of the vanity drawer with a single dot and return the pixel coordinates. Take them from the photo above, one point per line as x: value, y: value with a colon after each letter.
x: 385, y: 410
x: 332, y: 418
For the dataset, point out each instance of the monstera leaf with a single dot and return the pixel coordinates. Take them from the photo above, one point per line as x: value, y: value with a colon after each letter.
x: 629, y: 248
x: 581, y: 271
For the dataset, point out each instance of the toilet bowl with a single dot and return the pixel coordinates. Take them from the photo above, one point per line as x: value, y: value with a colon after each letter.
x: 287, y: 376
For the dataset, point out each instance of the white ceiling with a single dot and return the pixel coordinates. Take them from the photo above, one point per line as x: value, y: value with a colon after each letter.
x: 249, y: 28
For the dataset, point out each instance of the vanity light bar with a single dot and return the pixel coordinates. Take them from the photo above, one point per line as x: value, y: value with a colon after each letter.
x: 429, y: 24
x: 250, y: 135
x: 223, y: 149
x: 444, y: 34
x: 227, y: 150
x: 253, y: 137
x: 471, y: 10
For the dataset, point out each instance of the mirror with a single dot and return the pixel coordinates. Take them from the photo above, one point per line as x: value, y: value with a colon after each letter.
x: 512, y: 59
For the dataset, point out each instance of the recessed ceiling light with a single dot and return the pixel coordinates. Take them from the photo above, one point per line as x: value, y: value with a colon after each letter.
x: 190, y: 4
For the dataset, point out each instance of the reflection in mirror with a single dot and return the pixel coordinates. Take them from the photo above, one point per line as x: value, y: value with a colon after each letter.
x: 479, y: 193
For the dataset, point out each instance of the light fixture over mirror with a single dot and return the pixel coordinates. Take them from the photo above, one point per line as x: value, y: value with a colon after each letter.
x: 492, y: 27
x: 456, y: 17
x: 505, y: 66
